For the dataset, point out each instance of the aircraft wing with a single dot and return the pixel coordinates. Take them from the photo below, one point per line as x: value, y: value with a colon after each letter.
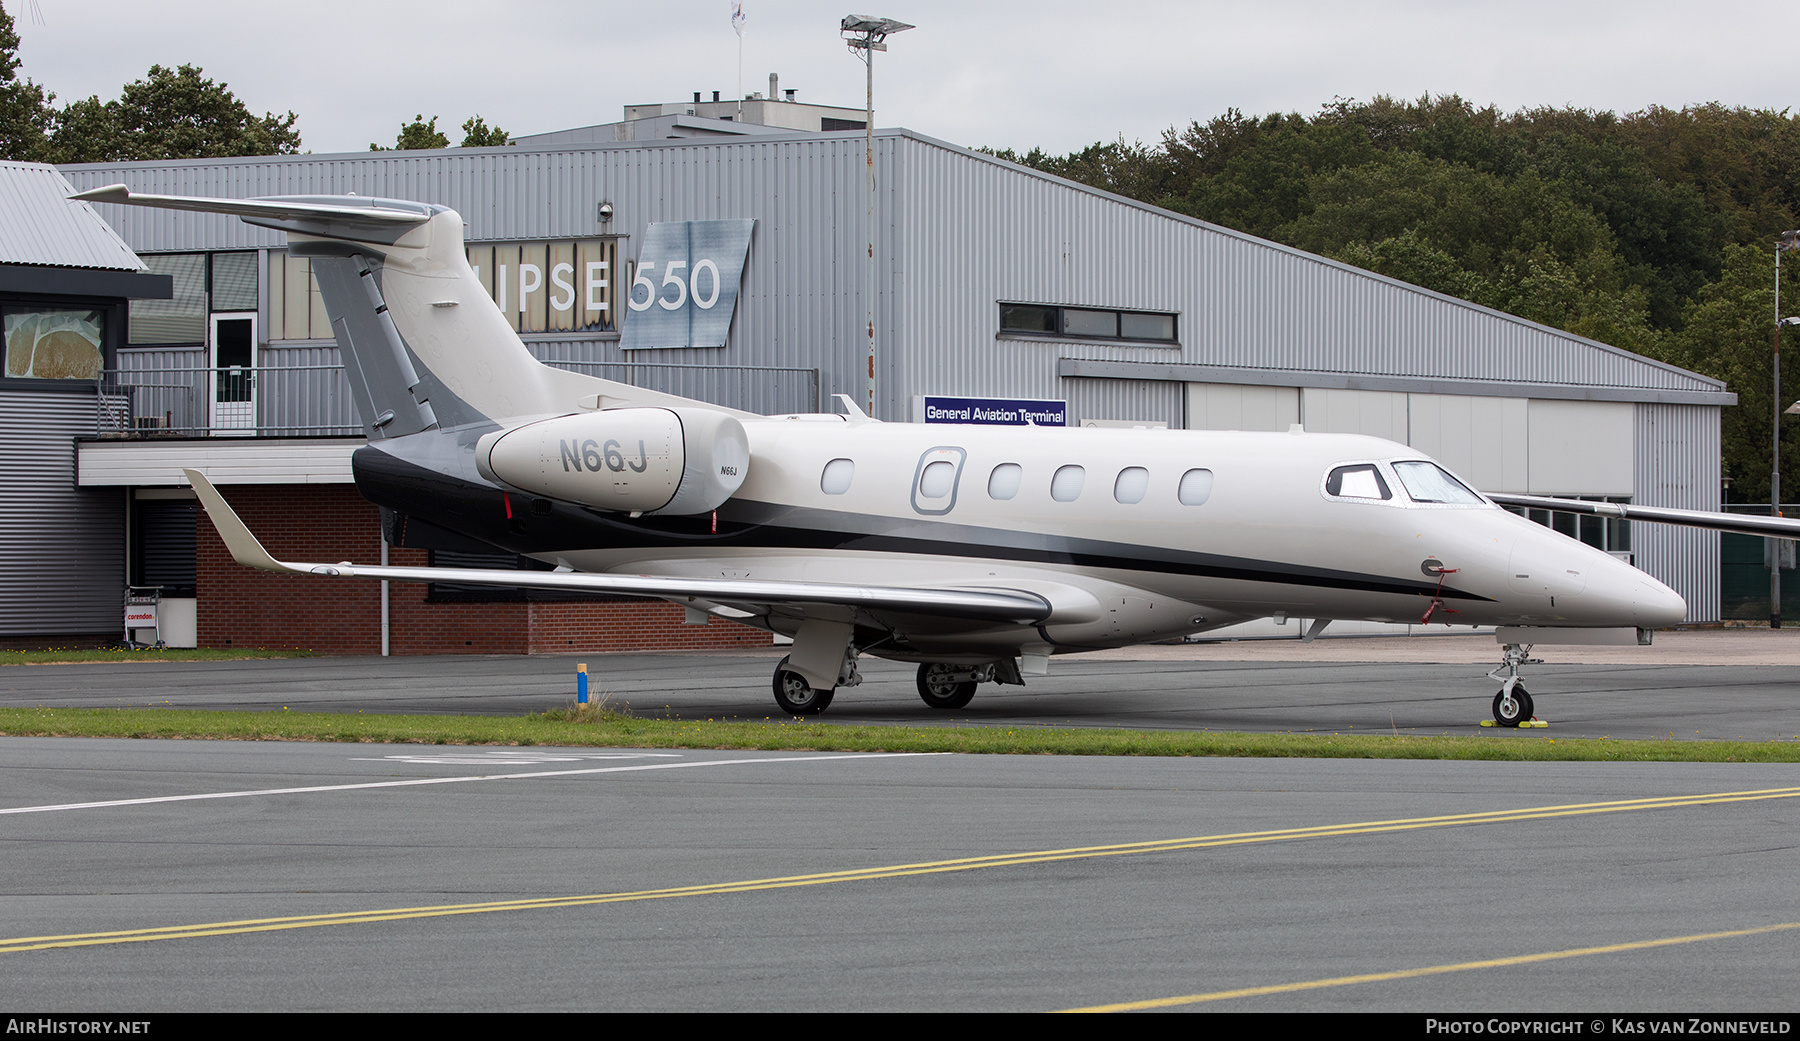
x: 1743, y: 524
x: 1009, y: 606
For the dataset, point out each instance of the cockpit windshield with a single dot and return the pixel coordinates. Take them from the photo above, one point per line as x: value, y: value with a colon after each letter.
x: 1429, y: 482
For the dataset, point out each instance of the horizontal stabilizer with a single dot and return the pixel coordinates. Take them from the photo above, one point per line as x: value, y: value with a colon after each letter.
x: 1741, y: 523
x: 1007, y: 606
x: 387, y: 214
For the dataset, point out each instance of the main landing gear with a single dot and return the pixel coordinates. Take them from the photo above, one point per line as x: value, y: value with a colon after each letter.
x: 796, y: 697
x: 942, y: 685
x: 946, y: 686
x: 1512, y: 706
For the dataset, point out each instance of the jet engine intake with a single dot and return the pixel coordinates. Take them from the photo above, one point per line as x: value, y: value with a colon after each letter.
x: 631, y: 460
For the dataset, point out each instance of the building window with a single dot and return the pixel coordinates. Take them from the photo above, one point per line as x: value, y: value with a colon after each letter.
x: 1047, y: 321
x: 180, y: 319
x: 54, y: 344
x: 1611, y: 534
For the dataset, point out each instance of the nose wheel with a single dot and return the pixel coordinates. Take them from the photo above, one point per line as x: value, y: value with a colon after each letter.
x: 1512, y: 706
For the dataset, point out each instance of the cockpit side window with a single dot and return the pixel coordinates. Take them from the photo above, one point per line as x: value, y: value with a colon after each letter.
x: 1361, y: 481
x: 1429, y: 482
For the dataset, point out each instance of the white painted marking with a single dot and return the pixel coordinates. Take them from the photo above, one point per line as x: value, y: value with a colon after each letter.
x: 453, y: 780
x: 509, y: 757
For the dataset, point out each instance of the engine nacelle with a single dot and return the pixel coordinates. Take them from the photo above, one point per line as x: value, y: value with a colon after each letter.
x: 632, y: 460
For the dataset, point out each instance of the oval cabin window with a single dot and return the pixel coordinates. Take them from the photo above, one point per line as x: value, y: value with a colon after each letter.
x: 1131, y: 484
x: 936, y: 479
x: 836, y: 478
x: 1003, y: 483
x: 1065, y: 486
x: 1196, y: 487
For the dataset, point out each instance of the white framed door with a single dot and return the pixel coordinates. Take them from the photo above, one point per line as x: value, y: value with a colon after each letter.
x: 232, y: 387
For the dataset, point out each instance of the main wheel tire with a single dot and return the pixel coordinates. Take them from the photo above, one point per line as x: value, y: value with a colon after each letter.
x: 939, y: 692
x: 1514, y: 712
x: 795, y: 696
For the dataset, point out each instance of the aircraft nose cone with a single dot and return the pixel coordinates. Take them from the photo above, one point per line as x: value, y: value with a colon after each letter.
x: 1658, y: 605
x: 1619, y: 590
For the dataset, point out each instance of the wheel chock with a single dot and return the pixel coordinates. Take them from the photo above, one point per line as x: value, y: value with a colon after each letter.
x: 1532, y: 722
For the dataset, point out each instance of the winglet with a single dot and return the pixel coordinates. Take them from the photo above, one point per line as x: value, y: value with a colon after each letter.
x: 244, y: 547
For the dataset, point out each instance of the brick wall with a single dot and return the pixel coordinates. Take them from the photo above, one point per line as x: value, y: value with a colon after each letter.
x: 241, y: 607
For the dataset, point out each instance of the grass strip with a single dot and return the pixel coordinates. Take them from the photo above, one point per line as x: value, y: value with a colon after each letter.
x: 563, y: 727
x: 55, y: 656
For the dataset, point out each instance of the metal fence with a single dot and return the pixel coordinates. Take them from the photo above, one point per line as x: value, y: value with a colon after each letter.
x: 314, y: 400
x: 267, y: 401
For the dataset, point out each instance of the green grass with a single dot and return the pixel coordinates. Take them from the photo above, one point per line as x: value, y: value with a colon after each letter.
x: 615, y: 730
x: 64, y: 656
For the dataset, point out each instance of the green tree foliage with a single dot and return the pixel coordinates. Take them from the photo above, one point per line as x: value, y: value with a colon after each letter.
x: 1728, y: 335
x: 24, y: 107
x: 477, y: 134
x: 420, y: 133
x: 423, y: 133
x: 169, y: 114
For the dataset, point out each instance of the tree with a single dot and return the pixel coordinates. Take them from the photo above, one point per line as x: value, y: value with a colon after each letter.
x: 420, y: 133
x: 477, y: 134
x: 24, y: 107
x: 169, y: 114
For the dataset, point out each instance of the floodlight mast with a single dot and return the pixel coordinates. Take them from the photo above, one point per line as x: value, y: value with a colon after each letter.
x: 1787, y: 242
x: 866, y: 35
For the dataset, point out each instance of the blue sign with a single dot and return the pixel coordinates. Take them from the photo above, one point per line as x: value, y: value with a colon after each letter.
x: 1004, y: 412
x: 686, y: 284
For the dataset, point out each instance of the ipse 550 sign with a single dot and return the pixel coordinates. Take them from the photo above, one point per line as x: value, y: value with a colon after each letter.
x: 686, y: 284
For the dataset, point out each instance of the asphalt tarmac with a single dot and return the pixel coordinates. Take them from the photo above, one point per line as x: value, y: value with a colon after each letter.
x: 144, y: 876
x: 1694, y: 691
x: 141, y: 876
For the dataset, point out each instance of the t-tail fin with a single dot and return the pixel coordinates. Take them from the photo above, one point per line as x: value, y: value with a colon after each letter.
x: 424, y: 346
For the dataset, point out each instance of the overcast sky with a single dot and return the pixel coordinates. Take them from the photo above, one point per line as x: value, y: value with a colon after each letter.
x: 1056, y: 74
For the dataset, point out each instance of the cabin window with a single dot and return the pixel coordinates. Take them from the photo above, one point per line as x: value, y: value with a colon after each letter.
x: 1065, y: 485
x: 1131, y: 484
x: 1195, y: 487
x: 1429, y: 482
x: 936, y: 479
x: 836, y: 478
x: 1357, y: 482
x: 1003, y: 483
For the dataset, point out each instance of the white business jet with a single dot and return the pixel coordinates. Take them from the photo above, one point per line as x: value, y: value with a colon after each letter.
x: 977, y: 552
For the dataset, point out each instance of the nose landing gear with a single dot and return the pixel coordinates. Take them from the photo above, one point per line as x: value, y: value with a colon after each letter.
x: 1512, y: 706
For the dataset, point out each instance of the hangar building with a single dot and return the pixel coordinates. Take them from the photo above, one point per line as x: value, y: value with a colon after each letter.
x: 990, y: 281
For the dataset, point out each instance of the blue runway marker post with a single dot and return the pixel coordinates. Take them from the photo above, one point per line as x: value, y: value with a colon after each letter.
x: 581, y: 683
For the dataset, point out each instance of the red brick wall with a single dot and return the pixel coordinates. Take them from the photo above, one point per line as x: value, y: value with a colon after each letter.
x: 241, y: 607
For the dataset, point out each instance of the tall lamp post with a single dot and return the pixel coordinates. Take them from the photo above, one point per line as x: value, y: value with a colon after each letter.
x: 866, y: 35
x: 1786, y: 243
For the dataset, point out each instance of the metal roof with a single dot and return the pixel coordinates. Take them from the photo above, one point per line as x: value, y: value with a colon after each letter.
x: 39, y: 226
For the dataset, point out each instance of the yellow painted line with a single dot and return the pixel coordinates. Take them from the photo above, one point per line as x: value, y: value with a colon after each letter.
x: 1432, y: 970
x: 252, y: 925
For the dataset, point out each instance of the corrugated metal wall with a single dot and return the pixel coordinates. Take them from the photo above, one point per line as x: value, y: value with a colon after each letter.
x: 959, y: 232
x: 55, y: 537
x: 1677, y: 461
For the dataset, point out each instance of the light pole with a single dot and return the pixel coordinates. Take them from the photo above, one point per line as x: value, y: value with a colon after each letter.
x: 866, y: 35
x: 1786, y: 243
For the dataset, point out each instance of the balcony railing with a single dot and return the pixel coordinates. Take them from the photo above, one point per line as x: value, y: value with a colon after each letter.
x: 314, y: 400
